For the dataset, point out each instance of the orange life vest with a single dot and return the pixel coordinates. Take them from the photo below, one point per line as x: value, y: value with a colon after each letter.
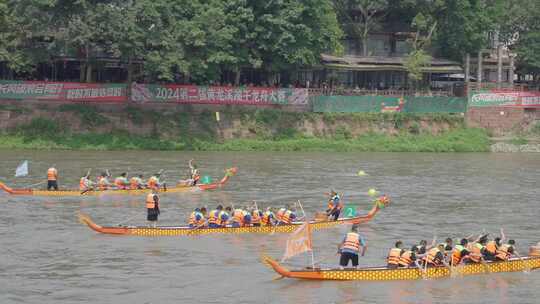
x: 394, y: 256
x: 120, y: 182
x: 286, y: 218
x: 503, y: 253
x: 103, y: 183
x: 491, y: 247
x: 134, y: 182
x: 238, y: 217
x: 213, y: 217
x: 255, y: 217
x: 193, y: 219
x: 432, y: 256
x: 352, y: 242
x: 266, y: 217
x: 52, y: 174
x: 405, y: 260
x: 83, y: 183
x: 150, y: 202
x: 280, y: 214
x: 476, y: 252
x: 456, y: 255
x: 153, y: 182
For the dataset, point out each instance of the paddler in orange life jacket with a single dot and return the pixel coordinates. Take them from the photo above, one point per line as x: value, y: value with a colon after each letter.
x: 256, y: 217
x: 334, y: 206
x: 408, y: 258
x: 505, y: 251
x: 460, y: 254
x: 103, y: 182
x: 85, y: 184
x: 237, y: 218
x: 492, y: 247
x: 352, y: 245
x: 435, y: 256
x: 217, y: 218
x: 196, y: 219
x: 152, y: 207
x: 477, y: 249
x: 394, y: 255
x: 136, y: 182
x: 121, y: 182
x: 153, y: 181
x: 268, y: 217
x: 285, y: 216
x: 52, y: 179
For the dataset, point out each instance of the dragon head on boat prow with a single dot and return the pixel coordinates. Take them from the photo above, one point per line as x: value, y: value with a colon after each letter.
x: 5, y: 188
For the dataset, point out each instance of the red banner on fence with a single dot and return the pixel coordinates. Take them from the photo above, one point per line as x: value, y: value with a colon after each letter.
x: 63, y: 91
x: 218, y: 94
x: 504, y: 98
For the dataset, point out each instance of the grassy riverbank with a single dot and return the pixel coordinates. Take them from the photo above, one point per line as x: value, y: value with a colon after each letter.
x: 460, y: 140
x: 82, y: 127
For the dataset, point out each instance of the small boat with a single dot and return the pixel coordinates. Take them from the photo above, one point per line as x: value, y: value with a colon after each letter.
x: 74, y: 192
x: 412, y: 273
x: 186, y: 230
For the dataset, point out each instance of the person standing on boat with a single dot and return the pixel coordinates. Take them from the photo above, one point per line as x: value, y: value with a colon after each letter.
x: 352, y: 245
x: 52, y: 178
x: 392, y: 260
x: 136, y: 182
x: 194, y: 173
x: 152, y: 208
x: 334, y: 206
x: 121, y: 182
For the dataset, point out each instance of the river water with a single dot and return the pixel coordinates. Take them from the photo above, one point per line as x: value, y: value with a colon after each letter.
x: 47, y: 256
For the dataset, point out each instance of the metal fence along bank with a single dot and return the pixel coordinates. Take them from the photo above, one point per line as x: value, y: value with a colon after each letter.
x: 283, y: 98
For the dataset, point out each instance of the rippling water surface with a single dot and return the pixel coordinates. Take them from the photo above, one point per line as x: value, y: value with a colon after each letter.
x: 47, y: 256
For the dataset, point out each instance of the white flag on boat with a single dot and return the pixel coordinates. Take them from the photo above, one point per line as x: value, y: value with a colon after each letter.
x: 22, y: 169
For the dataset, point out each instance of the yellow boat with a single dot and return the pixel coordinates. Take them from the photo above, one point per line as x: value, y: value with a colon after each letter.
x: 412, y: 273
x: 73, y: 192
x: 186, y: 230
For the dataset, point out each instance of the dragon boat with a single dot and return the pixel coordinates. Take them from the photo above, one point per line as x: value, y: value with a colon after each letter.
x: 74, y: 192
x: 412, y: 273
x: 186, y: 230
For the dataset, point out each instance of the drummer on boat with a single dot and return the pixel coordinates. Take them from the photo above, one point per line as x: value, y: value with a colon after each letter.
x: 52, y: 178
x: 194, y: 173
x: 334, y: 205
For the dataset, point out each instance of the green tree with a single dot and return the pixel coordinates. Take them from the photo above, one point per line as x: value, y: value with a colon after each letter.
x: 371, y: 15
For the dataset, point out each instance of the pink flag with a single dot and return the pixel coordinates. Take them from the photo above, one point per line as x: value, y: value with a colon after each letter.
x: 298, y: 242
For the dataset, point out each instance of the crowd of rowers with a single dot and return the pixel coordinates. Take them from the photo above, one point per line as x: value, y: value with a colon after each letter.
x: 467, y: 251
x: 247, y: 217
x: 122, y: 182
